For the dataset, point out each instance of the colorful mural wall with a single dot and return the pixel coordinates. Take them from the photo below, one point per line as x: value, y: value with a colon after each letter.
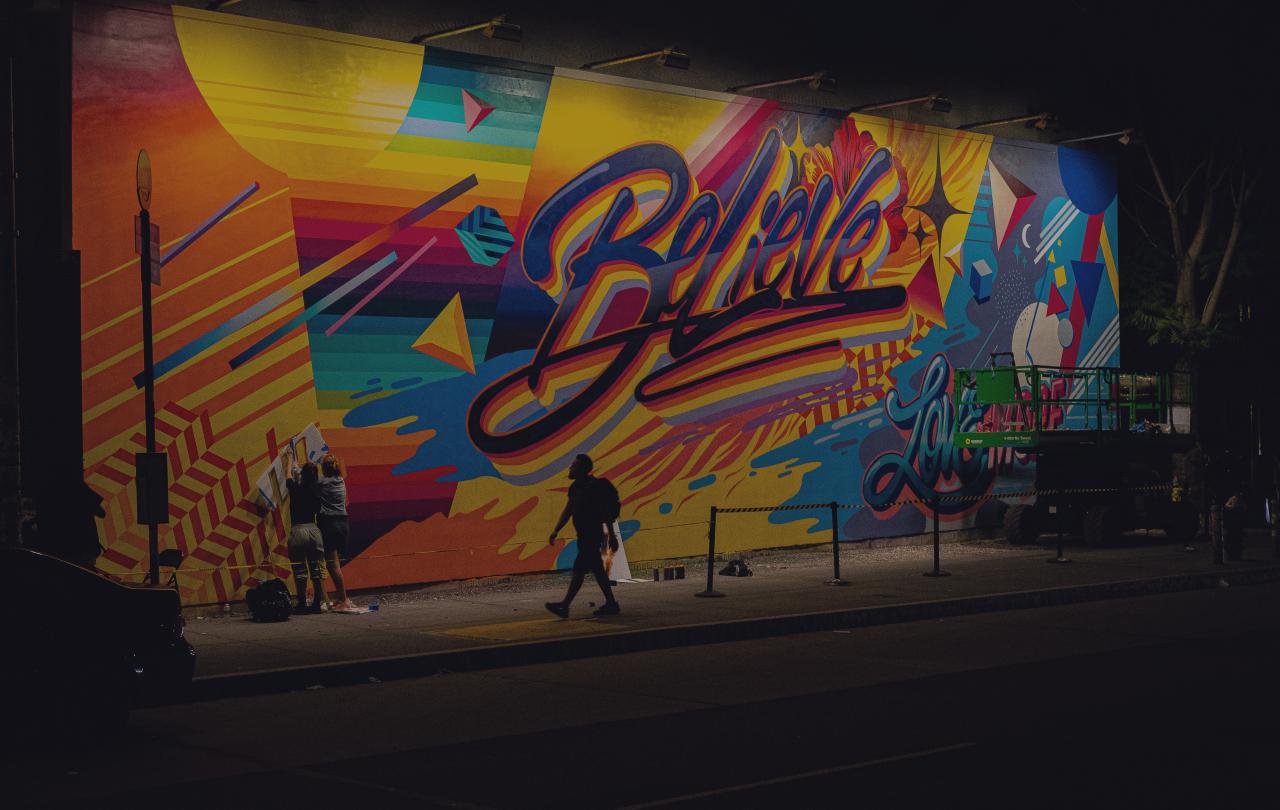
x: 463, y: 272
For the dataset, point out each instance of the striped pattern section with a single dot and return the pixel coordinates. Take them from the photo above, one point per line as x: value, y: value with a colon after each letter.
x: 485, y: 235
x: 372, y: 352
x: 212, y: 518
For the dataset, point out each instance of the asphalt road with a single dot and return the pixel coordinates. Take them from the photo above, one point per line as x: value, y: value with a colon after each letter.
x: 1157, y: 701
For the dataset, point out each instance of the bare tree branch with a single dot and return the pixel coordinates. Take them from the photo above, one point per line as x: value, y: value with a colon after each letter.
x: 1174, y: 222
x: 1161, y: 249
x: 1241, y: 199
x: 1187, y: 184
x: 1206, y: 219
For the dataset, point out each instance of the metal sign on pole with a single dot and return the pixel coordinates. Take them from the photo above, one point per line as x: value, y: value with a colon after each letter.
x: 937, y: 542
x: 835, y: 545
x: 711, y: 592
x: 153, y: 490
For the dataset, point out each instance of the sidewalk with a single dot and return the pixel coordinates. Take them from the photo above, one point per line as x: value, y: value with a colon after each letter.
x: 465, y: 626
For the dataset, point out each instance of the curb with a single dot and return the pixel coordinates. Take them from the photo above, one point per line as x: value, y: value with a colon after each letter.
x: 347, y: 673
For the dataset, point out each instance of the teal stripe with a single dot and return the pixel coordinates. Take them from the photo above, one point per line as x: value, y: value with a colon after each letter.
x: 534, y: 86
x: 452, y: 97
x: 485, y: 134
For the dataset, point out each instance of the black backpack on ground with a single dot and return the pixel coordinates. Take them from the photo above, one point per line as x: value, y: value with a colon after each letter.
x: 269, y: 602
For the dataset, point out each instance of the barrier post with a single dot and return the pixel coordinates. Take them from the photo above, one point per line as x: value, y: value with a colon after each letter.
x: 711, y: 592
x: 1215, y: 532
x: 835, y: 545
x: 1056, y: 509
x: 937, y: 542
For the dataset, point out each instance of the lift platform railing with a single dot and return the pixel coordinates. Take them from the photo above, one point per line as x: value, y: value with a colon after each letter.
x: 1022, y: 406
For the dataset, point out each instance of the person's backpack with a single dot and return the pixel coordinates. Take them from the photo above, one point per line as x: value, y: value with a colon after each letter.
x: 610, y: 504
x: 269, y: 602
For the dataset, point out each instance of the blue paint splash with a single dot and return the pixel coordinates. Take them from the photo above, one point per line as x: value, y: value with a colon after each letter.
x: 434, y: 406
x: 704, y: 481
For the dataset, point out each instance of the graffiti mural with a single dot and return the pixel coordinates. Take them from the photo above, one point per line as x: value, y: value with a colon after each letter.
x: 461, y: 272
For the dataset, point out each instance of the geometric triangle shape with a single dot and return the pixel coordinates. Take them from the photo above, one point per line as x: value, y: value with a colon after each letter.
x: 1088, y: 277
x: 474, y: 109
x: 446, y: 338
x: 1010, y: 199
x: 955, y: 258
x: 923, y: 293
x: 1056, y: 303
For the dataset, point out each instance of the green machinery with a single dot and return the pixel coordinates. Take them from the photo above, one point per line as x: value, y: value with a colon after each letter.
x: 1104, y: 430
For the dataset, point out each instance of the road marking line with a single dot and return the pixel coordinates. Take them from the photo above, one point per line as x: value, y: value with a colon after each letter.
x: 781, y: 780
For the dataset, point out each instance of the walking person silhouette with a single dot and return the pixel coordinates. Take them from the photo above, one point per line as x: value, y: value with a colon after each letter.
x: 591, y: 500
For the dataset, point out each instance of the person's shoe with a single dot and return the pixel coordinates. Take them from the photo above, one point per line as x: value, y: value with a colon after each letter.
x: 608, y: 609
x: 301, y: 607
x: 558, y: 608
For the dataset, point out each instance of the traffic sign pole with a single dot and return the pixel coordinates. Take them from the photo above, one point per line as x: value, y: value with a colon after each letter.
x: 148, y: 359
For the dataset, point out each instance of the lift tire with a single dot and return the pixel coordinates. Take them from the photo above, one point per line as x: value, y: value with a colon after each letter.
x: 1021, y: 525
x: 1101, y: 526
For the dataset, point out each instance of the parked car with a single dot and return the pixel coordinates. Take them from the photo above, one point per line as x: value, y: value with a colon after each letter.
x: 83, y: 649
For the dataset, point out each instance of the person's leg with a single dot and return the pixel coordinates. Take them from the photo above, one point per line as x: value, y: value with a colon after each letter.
x: 315, y: 562
x: 335, y: 573
x: 575, y: 584
x: 300, y: 582
x: 581, y: 566
x: 298, y: 562
x: 333, y: 531
x: 602, y: 580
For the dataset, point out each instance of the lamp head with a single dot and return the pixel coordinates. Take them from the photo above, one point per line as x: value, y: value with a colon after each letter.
x: 938, y: 104
x: 499, y: 28
x: 673, y: 57
x: 822, y: 82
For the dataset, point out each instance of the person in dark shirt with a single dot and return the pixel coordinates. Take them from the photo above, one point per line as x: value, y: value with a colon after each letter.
x: 306, y: 545
x: 587, y: 511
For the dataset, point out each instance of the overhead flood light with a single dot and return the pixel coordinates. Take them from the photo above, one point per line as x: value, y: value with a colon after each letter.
x: 817, y: 81
x: 935, y: 102
x: 496, y: 28
x: 1036, y: 120
x: 671, y: 57
x: 1123, y: 136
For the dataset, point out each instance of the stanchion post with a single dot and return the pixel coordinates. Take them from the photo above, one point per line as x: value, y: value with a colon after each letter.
x: 1215, y: 532
x: 711, y: 592
x: 835, y: 545
x: 937, y: 544
x: 1056, y: 508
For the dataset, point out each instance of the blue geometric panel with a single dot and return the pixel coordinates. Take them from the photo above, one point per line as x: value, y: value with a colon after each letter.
x: 981, y: 279
x: 485, y: 236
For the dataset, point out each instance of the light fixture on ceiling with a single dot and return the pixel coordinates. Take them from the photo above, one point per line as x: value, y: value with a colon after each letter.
x: 671, y: 57
x: 495, y: 28
x: 1123, y: 136
x: 934, y: 102
x: 820, y: 80
x: 1035, y: 120
x: 219, y: 5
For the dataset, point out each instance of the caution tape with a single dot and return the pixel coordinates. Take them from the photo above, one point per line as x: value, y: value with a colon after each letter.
x: 281, y: 552
x: 944, y: 498
x: 277, y: 563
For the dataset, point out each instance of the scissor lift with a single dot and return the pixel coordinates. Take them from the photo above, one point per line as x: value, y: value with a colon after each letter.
x: 1103, y: 440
